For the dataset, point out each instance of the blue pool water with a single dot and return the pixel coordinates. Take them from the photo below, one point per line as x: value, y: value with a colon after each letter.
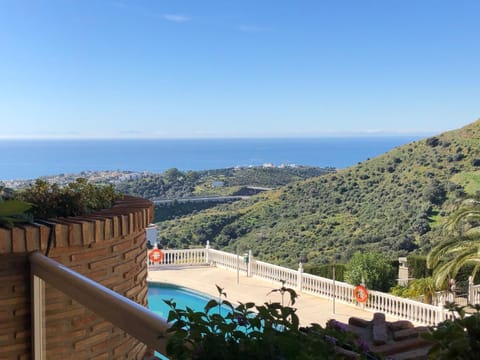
x: 183, y: 297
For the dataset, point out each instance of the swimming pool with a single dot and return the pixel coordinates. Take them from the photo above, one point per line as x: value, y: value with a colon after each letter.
x: 157, y: 292
x: 183, y: 297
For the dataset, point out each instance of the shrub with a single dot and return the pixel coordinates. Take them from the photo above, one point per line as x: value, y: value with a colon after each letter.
x: 399, y: 290
x: 248, y: 331
x: 424, y: 288
x: 458, y: 338
x: 373, y: 268
x: 77, y: 198
x: 433, y: 141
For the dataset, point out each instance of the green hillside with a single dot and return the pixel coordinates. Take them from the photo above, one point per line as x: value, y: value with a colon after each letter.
x: 394, y: 203
x: 175, y: 184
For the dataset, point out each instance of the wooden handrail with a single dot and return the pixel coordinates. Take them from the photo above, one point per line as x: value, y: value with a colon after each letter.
x: 122, y: 312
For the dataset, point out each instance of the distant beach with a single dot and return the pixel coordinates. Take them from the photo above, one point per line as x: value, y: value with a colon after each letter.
x: 28, y: 159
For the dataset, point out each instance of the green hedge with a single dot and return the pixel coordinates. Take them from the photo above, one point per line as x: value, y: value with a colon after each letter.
x: 417, y: 266
x: 326, y: 271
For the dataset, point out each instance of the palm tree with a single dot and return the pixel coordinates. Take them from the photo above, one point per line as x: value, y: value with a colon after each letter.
x: 462, y: 249
x: 458, y: 251
x: 467, y: 218
x: 424, y: 287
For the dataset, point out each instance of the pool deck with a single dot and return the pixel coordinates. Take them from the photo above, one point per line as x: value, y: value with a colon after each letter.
x: 311, y: 309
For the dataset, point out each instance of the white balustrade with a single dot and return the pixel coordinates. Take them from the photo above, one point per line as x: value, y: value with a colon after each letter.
x: 181, y: 257
x: 226, y: 260
x: 404, y: 308
x: 274, y: 273
x: 323, y: 287
x: 398, y: 307
x: 475, y: 294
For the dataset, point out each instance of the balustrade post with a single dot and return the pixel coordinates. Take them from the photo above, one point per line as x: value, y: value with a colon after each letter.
x: 441, y: 313
x: 300, y: 276
x: 334, y: 289
x: 470, y: 298
x: 249, y: 265
x: 207, y: 252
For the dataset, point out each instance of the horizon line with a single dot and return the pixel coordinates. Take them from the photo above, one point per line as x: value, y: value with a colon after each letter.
x: 260, y: 137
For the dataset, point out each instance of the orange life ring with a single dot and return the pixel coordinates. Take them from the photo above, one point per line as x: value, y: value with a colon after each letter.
x: 156, y: 255
x: 361, y: 294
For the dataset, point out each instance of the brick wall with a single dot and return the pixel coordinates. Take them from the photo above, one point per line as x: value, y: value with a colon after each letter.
x: 108, y: 247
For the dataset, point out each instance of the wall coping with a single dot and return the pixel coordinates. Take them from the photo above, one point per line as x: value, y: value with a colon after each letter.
x: 128, y: 215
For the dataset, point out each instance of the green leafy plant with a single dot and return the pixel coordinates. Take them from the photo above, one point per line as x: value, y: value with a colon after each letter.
x: 248, y: 331
x: 77, y: 198
x: 373, y: 268
x: 423, y: 287
x: 458, y: 338
x: 284, y: 290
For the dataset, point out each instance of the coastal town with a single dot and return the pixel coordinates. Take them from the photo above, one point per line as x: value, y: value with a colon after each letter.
x: 115, y: 177
x: 97, y: 177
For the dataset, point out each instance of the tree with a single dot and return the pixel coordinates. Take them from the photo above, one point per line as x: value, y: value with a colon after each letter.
x: 172, y: 175
x: 450, y: 255
x: 435, y: 192
x: 373, y: 268
x: 465, y: 219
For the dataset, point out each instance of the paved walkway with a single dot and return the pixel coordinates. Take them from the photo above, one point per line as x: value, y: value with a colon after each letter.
x: 311, y: 309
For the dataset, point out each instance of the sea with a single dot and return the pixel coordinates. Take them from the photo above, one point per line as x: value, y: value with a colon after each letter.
x: 30, y: 159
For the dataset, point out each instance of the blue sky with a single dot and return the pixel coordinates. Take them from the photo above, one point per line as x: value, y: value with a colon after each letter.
x: 145, y: 68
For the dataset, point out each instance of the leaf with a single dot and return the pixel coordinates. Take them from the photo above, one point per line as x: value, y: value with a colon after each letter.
x: 293, y: 295
x: 211, y: 304
x: 170, y: 303
x: 227, y: 304
x: 220, y: 291
x: 172, y: 315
